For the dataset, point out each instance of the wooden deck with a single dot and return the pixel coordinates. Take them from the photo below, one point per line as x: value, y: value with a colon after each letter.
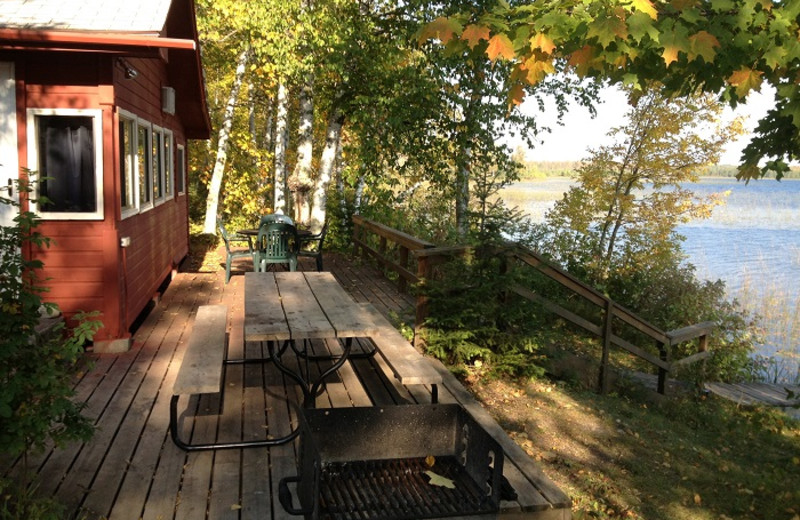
x: 759, y: 394
x: 131, y: 469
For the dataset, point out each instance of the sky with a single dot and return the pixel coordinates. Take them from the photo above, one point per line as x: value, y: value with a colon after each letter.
x: 580, y: 132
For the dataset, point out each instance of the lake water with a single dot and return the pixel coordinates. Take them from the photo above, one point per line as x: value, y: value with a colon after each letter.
x: 752, y: 243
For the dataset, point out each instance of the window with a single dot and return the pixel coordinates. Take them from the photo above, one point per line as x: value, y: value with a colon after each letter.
x: 67, y: 153
x: 158, y: 164
x: 127, y: 165
x: 144, y: 162
x: 169, y: 182
x: 180, y: 171
x: 147, y: 164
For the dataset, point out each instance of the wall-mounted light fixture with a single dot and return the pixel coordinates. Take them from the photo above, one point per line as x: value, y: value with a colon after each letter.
x: 130, y: 72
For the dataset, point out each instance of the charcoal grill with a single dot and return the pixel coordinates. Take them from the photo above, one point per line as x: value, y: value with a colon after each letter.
x: 374, y: 463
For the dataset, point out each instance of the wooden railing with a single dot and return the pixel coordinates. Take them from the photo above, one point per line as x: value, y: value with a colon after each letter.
x: 428, y: 257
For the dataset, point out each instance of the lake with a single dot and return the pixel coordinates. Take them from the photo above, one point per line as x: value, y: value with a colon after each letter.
x: 752, y: 243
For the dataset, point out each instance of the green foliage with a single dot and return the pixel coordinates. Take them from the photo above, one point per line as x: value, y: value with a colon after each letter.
x: 36, y: 370
x: 725, y: 48
x: 471, y: 321
x: 20, y: 502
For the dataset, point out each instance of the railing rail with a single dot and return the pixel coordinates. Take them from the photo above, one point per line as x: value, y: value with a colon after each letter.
x: 428, y: 257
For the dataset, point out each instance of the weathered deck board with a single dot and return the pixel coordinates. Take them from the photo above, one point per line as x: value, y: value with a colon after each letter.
x: 131, y: 469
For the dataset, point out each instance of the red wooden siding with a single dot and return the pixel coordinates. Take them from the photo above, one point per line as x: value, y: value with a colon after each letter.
x: 86, y: 267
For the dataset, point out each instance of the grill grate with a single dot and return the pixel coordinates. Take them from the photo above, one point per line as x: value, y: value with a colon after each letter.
x: 398, y: 489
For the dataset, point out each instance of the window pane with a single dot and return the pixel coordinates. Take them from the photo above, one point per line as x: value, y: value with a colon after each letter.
x: 180, y: 169
x: 126, y: 164
x: 158, y: 187
x: 144, y: 159
x: 168, y: 164
x: 66, y: 163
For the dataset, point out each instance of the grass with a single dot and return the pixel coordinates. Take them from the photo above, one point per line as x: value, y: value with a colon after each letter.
x: 627, y: 456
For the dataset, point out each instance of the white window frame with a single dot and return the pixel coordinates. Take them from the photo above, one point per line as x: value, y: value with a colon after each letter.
x: 133, y: 159
x: 180, y: 168
x: 157, y: 163
x: 97, y: 136
x: 168, y: 155
x: 142, y: 124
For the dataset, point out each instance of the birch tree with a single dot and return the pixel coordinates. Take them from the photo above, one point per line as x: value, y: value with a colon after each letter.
x: 212, y: 202
x: 281, y: 129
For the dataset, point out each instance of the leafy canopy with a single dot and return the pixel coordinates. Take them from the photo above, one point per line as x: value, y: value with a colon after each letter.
x: 719, y: 46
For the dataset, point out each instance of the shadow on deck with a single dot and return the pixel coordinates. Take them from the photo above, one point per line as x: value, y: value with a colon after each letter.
x: 131, y: 469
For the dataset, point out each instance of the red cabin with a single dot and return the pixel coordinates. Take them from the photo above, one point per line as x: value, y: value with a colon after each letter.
x: 100, y: 99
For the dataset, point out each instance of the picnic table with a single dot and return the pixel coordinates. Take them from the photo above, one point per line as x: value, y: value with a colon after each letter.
x: 287, y: 310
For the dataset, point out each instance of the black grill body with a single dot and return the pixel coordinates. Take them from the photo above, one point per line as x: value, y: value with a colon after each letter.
x: 375, y: 463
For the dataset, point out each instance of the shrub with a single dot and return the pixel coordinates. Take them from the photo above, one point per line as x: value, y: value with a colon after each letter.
x: 36, y: 370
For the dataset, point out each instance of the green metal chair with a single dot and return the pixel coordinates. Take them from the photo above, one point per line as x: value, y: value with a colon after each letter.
x: 233, y: 252
x: 276, y: 217
x: 276, y: 244
x: 311, y: 245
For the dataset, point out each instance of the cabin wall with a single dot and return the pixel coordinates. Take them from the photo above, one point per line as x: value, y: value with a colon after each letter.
x: 86, y: 266
x: 159, y: 236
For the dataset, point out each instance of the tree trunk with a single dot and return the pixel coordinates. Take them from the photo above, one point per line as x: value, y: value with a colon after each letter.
x: 326, y: 165
x: 281, y: 138
x: 301, y: 183
x: 212, y: 202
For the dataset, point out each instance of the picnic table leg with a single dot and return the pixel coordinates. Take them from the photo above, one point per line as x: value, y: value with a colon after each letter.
x: 173, y: 430
x: 312, y: 394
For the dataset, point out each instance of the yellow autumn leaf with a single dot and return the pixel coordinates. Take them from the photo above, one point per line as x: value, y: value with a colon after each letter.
x: 536, y: 70
x: 442, y: 28
x: 745, y: 80
x: 473, y: 34
x: 670, y: 54
x: 543, y: 42
x: 645, y: 6
x: 500, y: 46
x: 430, y: 460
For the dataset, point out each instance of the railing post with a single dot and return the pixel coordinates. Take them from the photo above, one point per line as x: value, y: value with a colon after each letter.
x: 403, y: 260
x: 663, y: 354
x: 423, y: 274
x: 607, y: 331
x: 702, y: 346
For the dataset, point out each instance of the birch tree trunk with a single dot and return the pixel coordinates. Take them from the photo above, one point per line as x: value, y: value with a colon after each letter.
x: 326, y: 165
x: 281, y: 125
x: 301, y: 183
x: 212, y: 202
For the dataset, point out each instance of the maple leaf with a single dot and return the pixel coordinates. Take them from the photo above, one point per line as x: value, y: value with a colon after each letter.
x: 645, y: 6
x: 702, y: 44
x: 582, y: 60
x: 536, y: 69
x: 543, y: 42
x: 745, y: 80
x: 442, y: 28
x: 774, y: 56
x: 608, y: 28
x: 516, y: 95
x: 640, y: 25
x: 673, y: 42
x: 473, y: 34
x: 500, y: 46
